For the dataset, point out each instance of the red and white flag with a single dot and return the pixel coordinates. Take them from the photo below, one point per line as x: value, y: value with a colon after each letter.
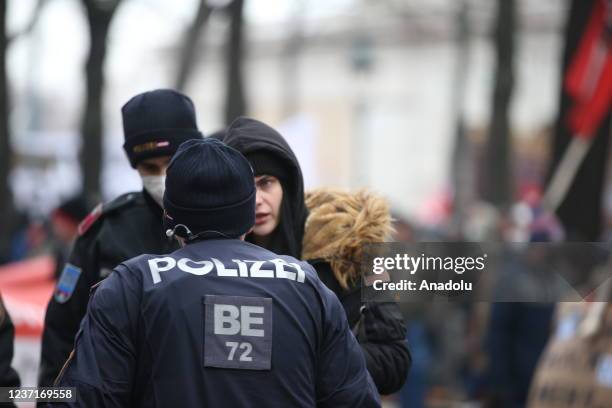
x: 588, y: 79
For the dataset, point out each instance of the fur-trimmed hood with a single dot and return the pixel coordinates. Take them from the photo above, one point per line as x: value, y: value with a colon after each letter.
x: 338, y: 226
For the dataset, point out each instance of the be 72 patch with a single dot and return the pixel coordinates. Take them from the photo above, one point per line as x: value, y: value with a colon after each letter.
x: 237, y: 332
x: 67, y: 283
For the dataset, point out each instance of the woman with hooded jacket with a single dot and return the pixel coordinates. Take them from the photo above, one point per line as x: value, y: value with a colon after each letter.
x: 280, y: 221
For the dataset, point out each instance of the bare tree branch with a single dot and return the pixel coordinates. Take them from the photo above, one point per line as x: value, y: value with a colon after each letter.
x: 190, y: 45
x: 32, y: 23
x: 235, y: 104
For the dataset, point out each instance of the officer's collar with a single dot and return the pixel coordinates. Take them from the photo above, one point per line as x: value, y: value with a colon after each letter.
x: 208, y: 240
x: 152, y: 204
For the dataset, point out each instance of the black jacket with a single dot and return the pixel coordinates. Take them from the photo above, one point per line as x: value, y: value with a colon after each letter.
x: 126, y: 227
x: 8, y: 376
x: 218, y: 323
x: 380, y: 330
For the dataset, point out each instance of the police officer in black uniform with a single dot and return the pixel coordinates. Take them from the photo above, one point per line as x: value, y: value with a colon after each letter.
x: 155, y: 123
x: 220, y: 322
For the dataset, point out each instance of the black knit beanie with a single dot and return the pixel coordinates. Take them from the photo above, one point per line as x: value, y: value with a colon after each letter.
x: 155, y: 124
x: 210, y: 190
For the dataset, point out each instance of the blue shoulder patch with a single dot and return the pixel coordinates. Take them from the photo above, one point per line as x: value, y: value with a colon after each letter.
x: 67, y: 283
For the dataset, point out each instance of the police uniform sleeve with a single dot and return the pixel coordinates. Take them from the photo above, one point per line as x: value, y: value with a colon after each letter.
x: 67, y: 307
x: 102, y: 365
x: 342, y: 377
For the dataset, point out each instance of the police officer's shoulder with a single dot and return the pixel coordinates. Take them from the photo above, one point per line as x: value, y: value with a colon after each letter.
x: 308, y: 269
x: 120, y: 286
x: 97, y: 215
x: 138, y: 266
x: 313, y: 278
x: 137, y: 262
x: 128, y: 273
x: 95, y: 287
x: 123, y: 202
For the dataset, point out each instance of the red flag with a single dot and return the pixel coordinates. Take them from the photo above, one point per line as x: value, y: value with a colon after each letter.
x: 588, y: 80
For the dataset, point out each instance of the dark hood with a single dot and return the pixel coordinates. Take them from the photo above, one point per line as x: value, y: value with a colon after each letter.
x: 249, y: 136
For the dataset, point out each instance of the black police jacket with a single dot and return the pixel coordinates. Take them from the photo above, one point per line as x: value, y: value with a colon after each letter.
x: 126, y: 227
x: 379, y: 328
x: 218, y: 323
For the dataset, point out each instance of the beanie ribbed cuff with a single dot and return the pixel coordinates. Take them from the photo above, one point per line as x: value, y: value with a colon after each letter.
x: 231, y: 220
x: 162, y: 142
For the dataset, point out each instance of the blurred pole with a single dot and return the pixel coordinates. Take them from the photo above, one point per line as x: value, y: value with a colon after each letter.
x: 566, y: 170
x: 291, y: 53
x: 462, y: 168
x: 99, y: 16
x: 7, y: 209
x: 33, y: 100
x: 190, y: 47
x: 498, y: 184
x: 32, y: 96
x: 235, y: 104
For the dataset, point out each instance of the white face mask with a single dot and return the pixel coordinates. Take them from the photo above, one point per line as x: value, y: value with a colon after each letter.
x: 155, y: 186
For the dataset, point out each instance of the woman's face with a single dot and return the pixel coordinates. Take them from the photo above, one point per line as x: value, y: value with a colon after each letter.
x: 267, y: 204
